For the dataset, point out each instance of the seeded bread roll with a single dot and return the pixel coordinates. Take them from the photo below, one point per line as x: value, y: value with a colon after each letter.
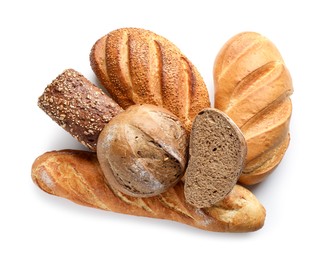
x: 217, y: 153
x: 143, y: 150
x: 78, y: 106
x: 253, y: 87
x: 137, y: 66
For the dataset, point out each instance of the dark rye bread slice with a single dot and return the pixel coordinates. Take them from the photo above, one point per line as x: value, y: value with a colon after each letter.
x: 217, y: 153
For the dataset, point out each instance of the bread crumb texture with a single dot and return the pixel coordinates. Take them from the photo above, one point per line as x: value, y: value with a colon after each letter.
x: 216, y: 159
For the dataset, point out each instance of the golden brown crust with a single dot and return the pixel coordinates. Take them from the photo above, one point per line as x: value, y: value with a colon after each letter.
x: 78, y: 106
x: 252, y: 86
x: 143, y: 150
x: 137, y: 66
x: 77, y: 176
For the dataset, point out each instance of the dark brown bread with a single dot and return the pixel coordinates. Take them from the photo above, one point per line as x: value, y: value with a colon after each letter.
x: 145, y: 145
x: 77, y: 176
x: 143, y: 150
x: 137, y: 66
x: 217, y: 153
x: 78, y: 106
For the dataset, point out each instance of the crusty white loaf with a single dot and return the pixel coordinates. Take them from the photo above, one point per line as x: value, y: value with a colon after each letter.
x: 252, y: 86
x: 137, y: 66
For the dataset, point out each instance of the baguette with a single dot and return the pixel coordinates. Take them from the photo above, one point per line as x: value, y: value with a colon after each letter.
x: 77, y: 176
x: 252, y: 86
x: 137, y: 66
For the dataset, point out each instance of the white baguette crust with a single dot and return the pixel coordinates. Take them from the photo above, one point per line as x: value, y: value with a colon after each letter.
x: 77, y: 176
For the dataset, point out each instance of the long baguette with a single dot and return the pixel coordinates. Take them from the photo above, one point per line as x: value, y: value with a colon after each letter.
x: 77, y: 176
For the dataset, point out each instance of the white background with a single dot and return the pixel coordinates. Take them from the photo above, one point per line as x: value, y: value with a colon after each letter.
x: 39, y: 39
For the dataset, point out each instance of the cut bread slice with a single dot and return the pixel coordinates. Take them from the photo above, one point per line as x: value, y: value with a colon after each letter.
x: 217, y: 152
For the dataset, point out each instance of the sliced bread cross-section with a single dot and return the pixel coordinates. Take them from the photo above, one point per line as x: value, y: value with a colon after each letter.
x: 217, y: 152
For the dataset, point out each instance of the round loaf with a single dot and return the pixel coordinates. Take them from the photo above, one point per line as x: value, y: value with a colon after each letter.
x: 143, y: 151
x: 252, y: 86
x: 137, y: 66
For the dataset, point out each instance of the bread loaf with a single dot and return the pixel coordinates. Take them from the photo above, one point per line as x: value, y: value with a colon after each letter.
x: 252, y: 86
x: 217, y: 153
x: 77, y: 176
x: 143, y: 150
x: 137, y: 66
x: 78, y: 106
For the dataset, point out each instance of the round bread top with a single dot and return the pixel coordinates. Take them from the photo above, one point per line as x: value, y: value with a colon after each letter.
x: 143, y: 150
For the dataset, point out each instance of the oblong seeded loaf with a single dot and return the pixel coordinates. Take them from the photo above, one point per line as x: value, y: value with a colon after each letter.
x: 137, y: 66
x: 217, y: 152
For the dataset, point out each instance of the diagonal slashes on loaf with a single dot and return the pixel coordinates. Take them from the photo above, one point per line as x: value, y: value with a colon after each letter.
x: 260, y: 87
x: 77, y: 176
x: 155, y: 75
x: 253, y: 86
x: 137, y: 66
x: 240, y: 56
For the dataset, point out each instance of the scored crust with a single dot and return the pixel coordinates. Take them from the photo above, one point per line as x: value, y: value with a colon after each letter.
x: 77, y: 176
x: 137, y: 66
x: 253, y: 86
